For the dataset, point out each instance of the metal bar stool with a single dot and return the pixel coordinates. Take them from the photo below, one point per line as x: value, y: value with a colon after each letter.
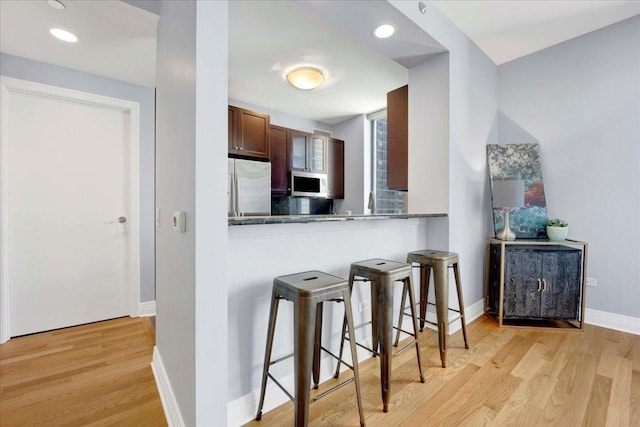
x: 440, y: 262
x: 383, y: 274
x: 308, y: 291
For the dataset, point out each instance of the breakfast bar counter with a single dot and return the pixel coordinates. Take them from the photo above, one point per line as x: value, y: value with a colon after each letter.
x: 301, y: 219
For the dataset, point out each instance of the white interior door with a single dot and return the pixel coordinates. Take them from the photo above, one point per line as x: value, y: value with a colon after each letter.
x: 66, y: 184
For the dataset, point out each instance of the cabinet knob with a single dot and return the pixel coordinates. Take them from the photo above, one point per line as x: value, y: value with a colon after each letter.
x: 240, y: 148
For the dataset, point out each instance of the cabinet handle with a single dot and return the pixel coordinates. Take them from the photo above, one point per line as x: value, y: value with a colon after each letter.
x: 240, y: 148
x: 544, y: 285
x: 539, y: 285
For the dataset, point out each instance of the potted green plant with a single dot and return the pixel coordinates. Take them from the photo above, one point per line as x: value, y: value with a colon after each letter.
x: 557, y: 229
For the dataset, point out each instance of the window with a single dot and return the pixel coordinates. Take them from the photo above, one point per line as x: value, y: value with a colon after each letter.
x: 387, y: 201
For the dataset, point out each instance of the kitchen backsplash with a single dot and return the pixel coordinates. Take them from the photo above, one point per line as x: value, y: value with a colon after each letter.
x: 301, y: 206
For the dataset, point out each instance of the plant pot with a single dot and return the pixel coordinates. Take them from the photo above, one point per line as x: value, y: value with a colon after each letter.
x: 557, y: 234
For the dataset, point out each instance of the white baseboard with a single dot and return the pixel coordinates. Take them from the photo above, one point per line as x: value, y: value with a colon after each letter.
x: 614, y: 321
x: 168, y: 399
x: 147, y: 308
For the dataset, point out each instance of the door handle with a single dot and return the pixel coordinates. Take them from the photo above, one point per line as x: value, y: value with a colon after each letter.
x: 120, y: 220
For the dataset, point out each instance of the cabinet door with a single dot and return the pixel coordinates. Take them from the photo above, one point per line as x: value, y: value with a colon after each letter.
x: 232, y: 130
x: 335, y: 169
x: 522, y: 272
x: 317, y: 153
x: 560, y: 297
x: 279, y: 161
x: 493, y: 285
x: 254, y: 134
x: 299, y: 150
x: 398, y: 139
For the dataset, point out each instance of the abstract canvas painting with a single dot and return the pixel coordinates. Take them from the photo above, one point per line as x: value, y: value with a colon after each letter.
x: 520, y: 161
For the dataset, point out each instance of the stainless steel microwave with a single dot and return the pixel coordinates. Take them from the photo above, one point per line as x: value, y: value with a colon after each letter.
x: 308, y: 184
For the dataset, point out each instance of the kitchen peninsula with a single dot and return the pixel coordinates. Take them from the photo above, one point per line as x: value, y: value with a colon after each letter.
x: 301, y: 219
x: 270, y: 246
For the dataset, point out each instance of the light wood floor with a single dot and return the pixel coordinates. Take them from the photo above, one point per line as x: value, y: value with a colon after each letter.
x: 97, y: 374
x: 509, y: 377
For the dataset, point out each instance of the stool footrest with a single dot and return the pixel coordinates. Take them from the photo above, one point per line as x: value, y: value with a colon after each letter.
x: 405, y: 348
x: 449, y: 320
x: 370, y: 350
x: 321, y: 395
x: 337, y: 358
x: 406, y: 332
x: 332, y: 389
x: 430, y: 303
x: 284, y: 390
x: 273, y: 362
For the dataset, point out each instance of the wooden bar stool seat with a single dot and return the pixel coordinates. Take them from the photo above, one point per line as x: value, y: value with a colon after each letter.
x: 308, y: 291
x: 440, y: 262
x: 383, y: 274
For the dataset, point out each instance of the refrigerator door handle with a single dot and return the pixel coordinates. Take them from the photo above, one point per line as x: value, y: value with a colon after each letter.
x: 235, y: 194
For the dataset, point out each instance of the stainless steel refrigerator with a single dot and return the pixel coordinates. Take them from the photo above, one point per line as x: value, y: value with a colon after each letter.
x: 249, y: 188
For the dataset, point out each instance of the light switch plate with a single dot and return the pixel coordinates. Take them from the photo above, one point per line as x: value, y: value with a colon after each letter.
x: 178, y: 221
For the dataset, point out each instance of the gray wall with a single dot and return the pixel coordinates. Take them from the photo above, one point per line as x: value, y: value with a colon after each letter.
x: 26, y: 69
x: 175, y: 190
x: 356, y: 134
x: 473, y: 106
x: 191, y: 175
x: 581, y: 101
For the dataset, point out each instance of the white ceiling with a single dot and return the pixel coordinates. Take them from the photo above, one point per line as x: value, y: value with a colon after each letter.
x: 115, y: 39
x: 266, y: 39
x: 506, y: 30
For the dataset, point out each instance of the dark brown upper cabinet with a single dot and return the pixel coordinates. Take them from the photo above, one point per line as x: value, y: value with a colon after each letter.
x: 308, y: 152
x: 335, y: 169
x: 280, y: 161
x: 398, y: 139
x: 249, y: 133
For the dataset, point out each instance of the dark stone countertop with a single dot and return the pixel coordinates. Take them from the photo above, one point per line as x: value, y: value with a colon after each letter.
x: 302, y: 219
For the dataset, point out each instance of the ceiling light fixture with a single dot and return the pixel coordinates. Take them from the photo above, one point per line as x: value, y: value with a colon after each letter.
x: 56, y: 4
x: 63, y: 35
x: 305, y: 78
x: 383, y: 31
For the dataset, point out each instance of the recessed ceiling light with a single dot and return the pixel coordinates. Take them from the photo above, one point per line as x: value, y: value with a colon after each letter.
x: 383, y: 31
x: 56, y: 4
x: 63, y: 35
x: 305, y: 78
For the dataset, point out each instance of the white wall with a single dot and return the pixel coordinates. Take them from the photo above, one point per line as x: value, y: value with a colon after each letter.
x: 356, y: 134
x: 191, y: 175
x: 175, y: 190
x: 429, y: 135
x: 473, y: 105
x: 581, y: 101
x: 211, y: 213
x: 26, y: 69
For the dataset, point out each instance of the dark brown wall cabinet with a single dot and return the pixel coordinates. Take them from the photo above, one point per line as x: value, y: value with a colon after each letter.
x: 540, y: 282
x: 248, y: 133
x: 335, y: 168
x: 398, y: 139
x: 280, y: 161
